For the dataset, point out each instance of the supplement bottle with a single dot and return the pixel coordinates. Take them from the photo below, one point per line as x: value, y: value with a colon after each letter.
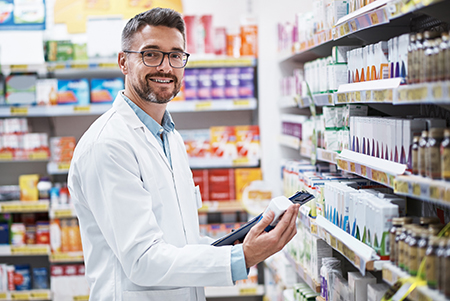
x: 433, y: 151
x: 447, y: 270
x: 413, y: 251
x: 411, y: 49
x: 432, y: 263
x: 417, y: 57
x: 445, y: 156
x: 402, y: 247
x: 397, y: 222
x: 422, y: 147
x: 415, y: 155
x: 441, y: 258
x: 422, y: 246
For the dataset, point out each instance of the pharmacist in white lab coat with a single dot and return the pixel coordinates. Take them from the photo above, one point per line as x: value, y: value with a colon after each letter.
x: 133, y: 190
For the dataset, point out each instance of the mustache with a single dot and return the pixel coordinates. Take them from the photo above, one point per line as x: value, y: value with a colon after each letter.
x: 160, y: 74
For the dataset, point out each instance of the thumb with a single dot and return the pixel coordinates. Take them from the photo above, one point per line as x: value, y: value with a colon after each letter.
x: 265, y: 221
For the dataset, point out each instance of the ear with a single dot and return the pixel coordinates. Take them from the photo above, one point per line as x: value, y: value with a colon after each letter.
x: 123, y: 63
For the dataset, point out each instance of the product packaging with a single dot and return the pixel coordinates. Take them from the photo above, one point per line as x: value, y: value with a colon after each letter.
x: 46, y: 91
x: 62, y: 148
x: 247, y: 141
x: 105, y: 90
x: 28, y: 187
x: 246, y: 82
x: 40, y: 278
x: 58, y: 51
x: 220, y: 41
x: 22, y: 277
x: 358, y: 285
x: 190, y: 23
x: 221, y: 184
x: 249, y: 38
x: 232, y: 83
x: 200, y: 177
x: 243, y: 178
x: 376, y: 291
x: 18, y: 234
x: 218, y: 83
x: 197, y: 142
x: 207, y: 24
x: 191, y: 84
x: 204, y: 83
x: 55, y: 235
x: 223, y: 142
x: 43, y: 232
x: 21, y: 89
x: 75, y: 92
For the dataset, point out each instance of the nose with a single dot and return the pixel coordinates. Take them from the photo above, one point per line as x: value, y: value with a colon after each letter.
x: 165, y: 65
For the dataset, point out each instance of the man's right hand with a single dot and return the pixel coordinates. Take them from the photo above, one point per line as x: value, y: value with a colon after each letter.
x: 259, y: 244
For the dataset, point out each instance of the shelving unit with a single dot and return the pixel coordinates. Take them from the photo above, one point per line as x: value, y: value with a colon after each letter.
x: 234, y: 291
x: 303, y: 274
x: 42, y: 295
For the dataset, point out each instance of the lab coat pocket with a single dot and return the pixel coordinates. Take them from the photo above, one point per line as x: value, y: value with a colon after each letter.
x: 198, y: 197
x: 180, y: 294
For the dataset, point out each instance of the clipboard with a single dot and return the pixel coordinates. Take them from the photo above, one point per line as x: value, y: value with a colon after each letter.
x: 300, y: 197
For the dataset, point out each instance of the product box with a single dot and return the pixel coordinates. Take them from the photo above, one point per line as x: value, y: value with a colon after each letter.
x: 80, y: 52
x: 337, y: 75
x: 28, y: 187
x: 190, y: 23
x: 246, y: 82
x: 46, y: 91
x: 208, y: 30
x: 223, y: 142
x: 218, y: 83
x: 243, y: 177
x: 339, y: 54
x: 2, y: 90
x: 376, y: 291
x: 21, y: 89
x: 221, y: 184
x: 197, y: 142
x: 62, y: 148
x: 358, y: 285
x: 232, y: 83
x: 74, y: 92
x: 60, y: 51
x: 191, y: 84
x: 204, y: 83
x: 105, y: 90
x: 247, y: 141
x: 200, y: 177
x: 22, y: 277
x: 249, y: 40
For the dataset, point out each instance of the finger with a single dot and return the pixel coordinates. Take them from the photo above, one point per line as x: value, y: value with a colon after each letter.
x: 285, y: 220
x: 264, y: 222
x: 291, y: 229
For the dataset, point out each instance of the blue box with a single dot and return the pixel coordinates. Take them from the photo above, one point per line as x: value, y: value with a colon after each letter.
x: 73, y: 92
x: 104, y: 90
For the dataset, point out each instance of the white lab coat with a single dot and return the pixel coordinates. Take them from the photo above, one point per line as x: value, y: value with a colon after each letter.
x: 138, y: 216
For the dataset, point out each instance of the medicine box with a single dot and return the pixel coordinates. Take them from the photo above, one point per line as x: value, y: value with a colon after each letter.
x: 243, y: 178
x: 21, y: 89
x: 105, y: 90
x: 46, y: 91
x: 358, y: 285
x: 75, y: 92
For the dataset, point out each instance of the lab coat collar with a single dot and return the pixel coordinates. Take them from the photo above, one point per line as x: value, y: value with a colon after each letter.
x: 122, y: 108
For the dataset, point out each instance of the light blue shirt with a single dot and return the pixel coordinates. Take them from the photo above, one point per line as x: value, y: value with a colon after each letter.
x: 238, y: 268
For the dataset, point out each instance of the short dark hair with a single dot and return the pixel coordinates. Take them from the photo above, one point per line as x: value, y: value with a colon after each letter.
x: 155, y: 17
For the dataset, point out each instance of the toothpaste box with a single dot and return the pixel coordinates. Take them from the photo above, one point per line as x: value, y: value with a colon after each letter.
x: 74, y: 91
x: 21, y: 89
x: 218, y: 83
x: 246, y: 82
x: 190, y: 84
x: 204, y: 83
x: 105, y: 90
x: 232, y: 83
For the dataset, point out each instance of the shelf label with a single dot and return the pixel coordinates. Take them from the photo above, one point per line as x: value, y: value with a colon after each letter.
x: 342, y: 164
x: 341, y: 97
x: 374, y: 18
x: 204, y: 105
x: 437, y: 92
x: 248, y: 291
x: 241, y: 103
x: 63, y: 166
x: 18, y: 110
x: 340, y: 246
x: 402, y: 95
x: 387, y: 275
x: 358, y: 96
x: 418, y: 94
x: 314, y: 229
x: 81, y: 298
x: 382, y: 95
x: 346, y: 28
x: 61, y: 257
x: 435, y: 192
x: 353, y: 26
x: 108, y: 65
x: 20, y: 296
x: 24, y: 206
x: 332, y: 241
x: 330, y: 99
x: 3, y: 296
x: 19, y: 250
x: 81, y: 109
x: 6, y: 156
x: 62, y: 213
x: 363, y: 170
x: 40, y: 295
x: 447, y: 195
x: 38, y: 155
x: 401, y: 186
x: 416, y: 189
x: 241, y: 161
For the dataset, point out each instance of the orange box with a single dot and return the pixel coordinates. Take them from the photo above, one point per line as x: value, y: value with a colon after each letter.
x: 243, y: 177
x: 223, y: 142
x: 249, y: 40
x: 247, y: 141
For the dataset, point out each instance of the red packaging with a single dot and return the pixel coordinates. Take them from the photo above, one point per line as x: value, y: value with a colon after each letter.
x: 10, y: 271
x: 201, y: 179
x: 81, y: 270
x: 220, y: 41
x: 70, y: 270
x: 221, y: 185
x: 206, y: 21
x: 190, y: 22
x: 57, y: 270
x: 43, y: 233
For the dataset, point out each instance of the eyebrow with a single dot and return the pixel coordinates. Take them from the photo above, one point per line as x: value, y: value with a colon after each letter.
x: 155, y: 47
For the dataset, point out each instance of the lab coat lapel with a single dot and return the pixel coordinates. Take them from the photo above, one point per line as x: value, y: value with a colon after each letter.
x: 131, y: 118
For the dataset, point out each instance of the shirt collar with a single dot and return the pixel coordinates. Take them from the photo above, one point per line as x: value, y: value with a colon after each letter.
x: 154, y: 127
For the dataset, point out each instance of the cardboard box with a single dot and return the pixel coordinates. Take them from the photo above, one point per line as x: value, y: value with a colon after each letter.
x: 200, y: 177
x: 105, y: 90
x: 28, y: 187
x: 190, y: 84
x: 243, y: 178
x: 358, y: 285
x: 221, y: 185
x: 21, y: 89
x: 247, y: 141
x: 74, y: 92
x: 223, y: 142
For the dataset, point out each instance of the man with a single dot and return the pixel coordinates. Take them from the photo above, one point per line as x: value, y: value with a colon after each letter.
x: 133, y: 190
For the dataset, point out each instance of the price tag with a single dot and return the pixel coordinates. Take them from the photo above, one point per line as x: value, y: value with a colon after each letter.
x: 402, y: 95
x: 389, y: 95
x: 346, y: 28
x: 248, y: 291
x: 437, y: 92
x: 435, y: 192
x: 358, y: 96
x: 340, y: 246
x: 352, y: 167
x: 80, y: 66
x: 19, y: 68
x: 81, y: 109
x: 401, y: 186
x: 107, y: 65
x: 326, y: 156
x: 241, y: 103
x: 20, y: 296
x: 387, y: 275
x: 330, y: 99
x: 18, y: 111
x: 341, y: 97
x: 63, y: 166
x: 374, y: 18
x: 447, y: 195
x: 342, y: 164
x: 63, y: 213
x: 20, y: 250
x: 363, y: 171
x: 39, y: 295
x: 341, y: 30
x: 416, y: 189
x: 379, y: 95
x: 203, y: 105
x: 3, y: 296
x: 241, y: 161
x: 353, y: 26
x: 314, y: 229
x: 81, y: 298
x: 38, y: 155
x: 6, y: 156
x: 332, y: 241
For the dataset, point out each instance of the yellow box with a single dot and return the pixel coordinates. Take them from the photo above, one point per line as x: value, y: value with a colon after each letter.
x: 28, y: 187
x: 243, y: 177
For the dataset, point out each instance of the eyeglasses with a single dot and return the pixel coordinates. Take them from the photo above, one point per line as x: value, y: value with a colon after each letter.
x: 154, y: 58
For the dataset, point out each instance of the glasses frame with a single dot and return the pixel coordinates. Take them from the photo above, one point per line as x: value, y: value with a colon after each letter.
x: 162, y: 60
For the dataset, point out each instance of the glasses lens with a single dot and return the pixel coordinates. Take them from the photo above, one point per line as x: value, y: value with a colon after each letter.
x: 178, y: 59
x: 152, y: 58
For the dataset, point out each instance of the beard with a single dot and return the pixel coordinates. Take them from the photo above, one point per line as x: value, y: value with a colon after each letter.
x: 146, y: 93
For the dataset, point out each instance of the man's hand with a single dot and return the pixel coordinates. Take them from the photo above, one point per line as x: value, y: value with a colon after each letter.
x: 259, y: 244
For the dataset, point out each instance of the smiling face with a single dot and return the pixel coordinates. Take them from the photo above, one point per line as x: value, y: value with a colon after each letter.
x: 152, y: 84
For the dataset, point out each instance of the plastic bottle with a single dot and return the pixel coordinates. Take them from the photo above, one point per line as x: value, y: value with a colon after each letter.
x: 422, y: 147
x: 445, y: 156
x: 415, y: 155
x: 433, y: 153
x: 432, y: 263
x: 411, y: 49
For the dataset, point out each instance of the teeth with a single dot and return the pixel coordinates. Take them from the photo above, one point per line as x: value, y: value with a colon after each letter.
x: 161, y: 81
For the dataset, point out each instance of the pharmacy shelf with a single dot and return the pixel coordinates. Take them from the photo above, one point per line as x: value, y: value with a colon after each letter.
x: 222, y: 162
x: 52, y: 111
x: 301, y: 272
x: 72, y: 257
x: 37, y: 156
x: 376, y: 91
x: 359, y: 254
x: 327, y: 155
x: 24, y: 206
x: 323, y: 99
x: 27, y: 295
x: 62, y: 211
x: 436, y: 93
x: 221, y: 206
x: 372, y: 168
x: 305, y: 150
x: 288, y: 102
x: 391, y: 274
x: 212, y: 105
x: 290, y: 141
x: 234, y: 291
x: 58, y: 168
x: 221, y: 61
x: 304, y: 102
x: 25, y: 250
x: 435, y: 191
